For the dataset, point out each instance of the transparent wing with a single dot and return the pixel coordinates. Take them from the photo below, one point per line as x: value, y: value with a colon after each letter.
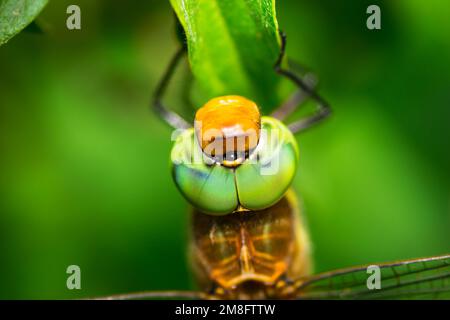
x: 148, y: 295
x: 425, y: 278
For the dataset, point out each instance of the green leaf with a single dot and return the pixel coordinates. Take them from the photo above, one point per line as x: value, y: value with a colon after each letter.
x: 15, y: 15
x: 233, y: 45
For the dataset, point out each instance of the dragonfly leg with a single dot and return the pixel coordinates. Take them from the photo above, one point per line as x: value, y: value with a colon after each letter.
x: 323, y: 109
x: 213, y: 289
x: 299, y: 96
x: 186, y: 92
x: 284, y: 278
x: 284, y: 287
x: 171, y: 117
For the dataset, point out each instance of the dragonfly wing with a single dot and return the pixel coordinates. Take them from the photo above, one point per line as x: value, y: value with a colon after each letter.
x: 149, y: 295
x: 425, y: 278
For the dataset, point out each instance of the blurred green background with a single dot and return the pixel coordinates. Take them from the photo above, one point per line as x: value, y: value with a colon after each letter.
x: 84, y: 175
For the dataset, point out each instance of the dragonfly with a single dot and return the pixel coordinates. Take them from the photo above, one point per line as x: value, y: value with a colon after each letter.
x: 248, y: 238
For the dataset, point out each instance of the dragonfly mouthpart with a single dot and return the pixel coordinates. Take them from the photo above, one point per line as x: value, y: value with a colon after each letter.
x: 231, y: 159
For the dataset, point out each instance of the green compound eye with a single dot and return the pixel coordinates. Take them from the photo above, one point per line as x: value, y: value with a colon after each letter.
x: 207, y: 186
x: 264, y: 178
x: 256, y: 184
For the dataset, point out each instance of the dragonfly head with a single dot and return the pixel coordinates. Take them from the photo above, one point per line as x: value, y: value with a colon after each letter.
x: 234, y: 159
x: 228, y: 129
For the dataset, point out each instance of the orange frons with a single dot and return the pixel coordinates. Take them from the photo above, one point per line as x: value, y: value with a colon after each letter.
x: 228, y: 124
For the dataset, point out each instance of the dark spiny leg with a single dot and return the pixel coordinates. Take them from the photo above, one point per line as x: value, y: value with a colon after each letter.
x: 169, y: 116
x: 212, y: 290
x: 283, y: 286
x: 295, y: 100
x: 323, y: 109
x: 186, y: 92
